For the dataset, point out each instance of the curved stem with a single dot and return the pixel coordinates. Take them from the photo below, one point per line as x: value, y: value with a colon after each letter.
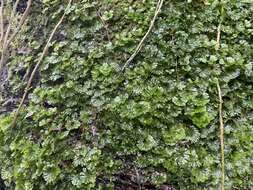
x: 137, y: 50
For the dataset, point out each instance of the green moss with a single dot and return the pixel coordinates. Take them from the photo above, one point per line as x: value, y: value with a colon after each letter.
x: 86, y: 120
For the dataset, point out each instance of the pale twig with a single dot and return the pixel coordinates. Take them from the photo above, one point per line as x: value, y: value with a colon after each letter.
x: 222, y: 154
x: 137, y: 50
x: 218, y: 36
x: 29, y: 83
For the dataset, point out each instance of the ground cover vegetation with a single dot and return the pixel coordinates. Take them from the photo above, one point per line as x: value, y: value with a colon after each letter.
x: 94, y: 120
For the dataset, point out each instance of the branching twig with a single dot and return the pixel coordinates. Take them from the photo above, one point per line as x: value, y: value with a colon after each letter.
x: 157, y: 11
x: 221, y: 137
x: 37, y: 66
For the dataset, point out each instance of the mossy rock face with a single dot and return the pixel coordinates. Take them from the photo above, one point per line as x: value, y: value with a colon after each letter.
x: 87, y: 121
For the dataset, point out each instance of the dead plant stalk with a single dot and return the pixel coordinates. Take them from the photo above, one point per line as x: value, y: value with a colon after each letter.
x: 222, y: 154
x: 141, y: 43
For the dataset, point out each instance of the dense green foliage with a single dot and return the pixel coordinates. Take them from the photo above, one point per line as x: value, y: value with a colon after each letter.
x: 86, y: 120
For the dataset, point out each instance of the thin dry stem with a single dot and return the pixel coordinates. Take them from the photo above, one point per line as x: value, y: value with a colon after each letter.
x: 157, y: 11
x: 222, y: 154
x: 45, y: 50
x: 218, y: 36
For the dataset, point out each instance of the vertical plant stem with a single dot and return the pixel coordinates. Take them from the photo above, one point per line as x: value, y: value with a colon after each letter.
x: 222, y: 154
x: 218, y: 36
